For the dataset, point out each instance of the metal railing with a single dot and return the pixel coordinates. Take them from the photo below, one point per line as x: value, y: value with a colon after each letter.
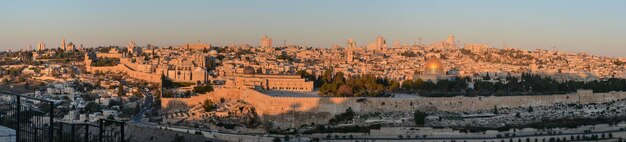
x: 104, y: 131
x: 31, y: 118
x: 33, y: 121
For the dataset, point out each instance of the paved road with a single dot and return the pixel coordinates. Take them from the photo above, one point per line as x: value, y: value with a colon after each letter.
x: 147, y: 106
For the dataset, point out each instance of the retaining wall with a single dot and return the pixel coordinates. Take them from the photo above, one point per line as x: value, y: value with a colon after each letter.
x: 269, y: 105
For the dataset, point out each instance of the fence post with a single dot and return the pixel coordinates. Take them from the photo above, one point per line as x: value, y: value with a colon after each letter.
x: 72, y: 133
x: 101, y: 130
x: 19, y: 108
x: 61, y: 133
x: 86, y: 132
x: 51, y: 128
x: 122, y: 131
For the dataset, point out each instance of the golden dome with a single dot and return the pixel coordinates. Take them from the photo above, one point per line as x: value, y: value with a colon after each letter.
x: 433, y: 66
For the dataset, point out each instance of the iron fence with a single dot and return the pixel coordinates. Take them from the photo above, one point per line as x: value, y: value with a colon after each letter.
x: 31, y: 118
x: 33, y: 121
x: 104, y: 131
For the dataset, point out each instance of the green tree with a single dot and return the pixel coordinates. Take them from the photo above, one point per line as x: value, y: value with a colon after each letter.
x: 208, y: 105
x: 327, y: 77
x: 120, y: 90
x: 419, y: 117
x: 203, y: 89
x: 344, y: 90
x: 339, y: 78
x: 394, y: 86
x: 92, y: 107
x: 495, y: 109
x: 346, y: 116
x: 407, y: 85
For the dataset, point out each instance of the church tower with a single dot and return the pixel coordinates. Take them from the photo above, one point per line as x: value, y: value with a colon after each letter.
x: 131, y: 46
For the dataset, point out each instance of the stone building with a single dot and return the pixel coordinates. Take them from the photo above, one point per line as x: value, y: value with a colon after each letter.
x: 191, y: 68
x: 266, y: 42
x: 379, y: 45
x: 476, y: 48
x: 267, y: 82
x: 197, y: 46
x: 41, y: 46
x: 187, y: 69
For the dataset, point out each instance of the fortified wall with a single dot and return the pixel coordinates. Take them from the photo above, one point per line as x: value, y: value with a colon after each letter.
x: 266, y: 105
x: 144, y: 71
x: 121, y: 68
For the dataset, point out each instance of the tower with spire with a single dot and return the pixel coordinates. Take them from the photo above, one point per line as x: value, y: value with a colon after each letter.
x: 131, y: 46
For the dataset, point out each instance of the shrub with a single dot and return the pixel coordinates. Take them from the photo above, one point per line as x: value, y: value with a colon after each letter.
x: 203, y: 89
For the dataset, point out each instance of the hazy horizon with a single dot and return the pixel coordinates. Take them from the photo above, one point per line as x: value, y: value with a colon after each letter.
x: 594, y: 27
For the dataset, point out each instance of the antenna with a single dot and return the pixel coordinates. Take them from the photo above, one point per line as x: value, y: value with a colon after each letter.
x: 420, y: 40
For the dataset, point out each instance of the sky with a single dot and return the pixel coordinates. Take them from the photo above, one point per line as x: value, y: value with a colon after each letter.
x: 596, y: 27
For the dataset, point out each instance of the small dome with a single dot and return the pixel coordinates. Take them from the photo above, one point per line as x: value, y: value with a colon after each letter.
x: 433, y: 66
x: 248, y: 70
x: 213, y: 53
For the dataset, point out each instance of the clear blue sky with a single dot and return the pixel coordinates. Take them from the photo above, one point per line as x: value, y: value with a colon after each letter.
x: 597, y: 27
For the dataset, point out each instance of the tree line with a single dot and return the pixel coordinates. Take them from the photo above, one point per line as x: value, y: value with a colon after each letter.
x: 339, y: 85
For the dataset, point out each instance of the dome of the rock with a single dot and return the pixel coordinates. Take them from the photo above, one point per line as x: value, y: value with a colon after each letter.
x: 433, y: 66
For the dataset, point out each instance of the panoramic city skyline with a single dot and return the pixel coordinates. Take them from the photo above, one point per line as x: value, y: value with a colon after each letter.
x: 575, y: 26
x: 312, y: 71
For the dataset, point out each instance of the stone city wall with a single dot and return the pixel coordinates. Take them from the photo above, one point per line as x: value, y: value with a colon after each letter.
x: 123, y: 67
x: 266, y: 105
x: 109, y: 55
x: 120, y: 68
